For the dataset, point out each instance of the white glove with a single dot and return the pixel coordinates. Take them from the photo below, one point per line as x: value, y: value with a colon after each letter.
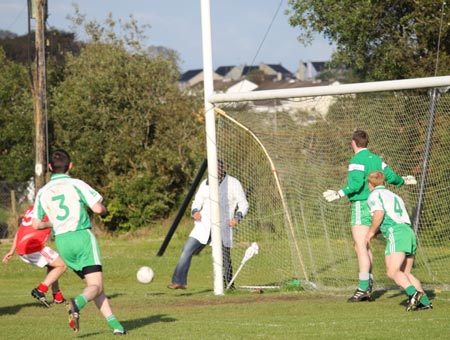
x: 331, y: 195
x: 409, y: 180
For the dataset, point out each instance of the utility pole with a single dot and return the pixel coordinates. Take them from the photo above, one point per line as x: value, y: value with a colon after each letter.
x: 40, y: 95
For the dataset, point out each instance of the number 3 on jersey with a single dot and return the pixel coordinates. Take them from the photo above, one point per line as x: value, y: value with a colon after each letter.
x: 64, y: 208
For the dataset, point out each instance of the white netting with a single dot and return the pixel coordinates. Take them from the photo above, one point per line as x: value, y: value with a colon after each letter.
x: 285, y: 159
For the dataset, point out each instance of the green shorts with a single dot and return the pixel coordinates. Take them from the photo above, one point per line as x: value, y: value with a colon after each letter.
x: 361, y: 213
x: 400, y: 239
x: 78, y: 249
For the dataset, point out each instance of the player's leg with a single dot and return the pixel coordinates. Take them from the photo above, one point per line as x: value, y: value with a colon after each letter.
x: 361, y: 221
x: 95, y: 282
x: 359, y: 233
x: 399, y: 262
x: 179, y: 277
x: 43, y: 259
x: 55, y: 269
x: 81, y: 253
x: 394, y: 262
x: 362, y: 293
x: 406, y: 268
x: 424, y: 301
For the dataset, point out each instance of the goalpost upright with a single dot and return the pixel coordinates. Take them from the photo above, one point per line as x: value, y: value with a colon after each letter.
x: 216, y: 238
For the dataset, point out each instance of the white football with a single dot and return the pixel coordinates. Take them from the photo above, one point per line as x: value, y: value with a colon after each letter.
x: 145, y: 274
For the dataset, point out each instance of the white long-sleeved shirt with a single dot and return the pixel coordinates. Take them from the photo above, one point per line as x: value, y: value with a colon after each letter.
x: 231, y: 198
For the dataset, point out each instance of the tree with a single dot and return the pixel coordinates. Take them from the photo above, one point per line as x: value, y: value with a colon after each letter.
x: 16, y: 121
x: 21, y: 48
x: 379, y: 40
x: 131, y: 132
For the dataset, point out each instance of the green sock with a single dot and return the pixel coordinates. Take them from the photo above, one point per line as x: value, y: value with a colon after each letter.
x: 81, y: 301
x: 425, y: 300
x: 363, y: 284
x: 410, y: 290
x: 113, y: 323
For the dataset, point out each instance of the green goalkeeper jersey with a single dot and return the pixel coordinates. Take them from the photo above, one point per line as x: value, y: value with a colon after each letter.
x: 361, y: 165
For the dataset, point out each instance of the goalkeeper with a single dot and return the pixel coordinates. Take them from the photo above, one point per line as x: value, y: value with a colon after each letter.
x: 357, y: 191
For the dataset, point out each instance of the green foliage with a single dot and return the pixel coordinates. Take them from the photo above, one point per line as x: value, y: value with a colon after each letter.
x: 379, y: 40
x: 21, y: 49
x: 16, y: 122
x: 132, y: 134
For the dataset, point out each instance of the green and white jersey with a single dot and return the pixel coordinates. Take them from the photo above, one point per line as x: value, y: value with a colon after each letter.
x: 361, y: 165
x: 64, y: 200
x: 395, y: 213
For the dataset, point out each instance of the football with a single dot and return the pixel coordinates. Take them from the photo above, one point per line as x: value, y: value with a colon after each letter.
x: 145, y: 274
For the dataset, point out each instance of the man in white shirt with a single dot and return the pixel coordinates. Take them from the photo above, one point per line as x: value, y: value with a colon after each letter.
x: 233, y: 207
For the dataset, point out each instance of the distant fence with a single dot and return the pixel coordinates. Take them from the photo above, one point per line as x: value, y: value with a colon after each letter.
x: 13, y: 196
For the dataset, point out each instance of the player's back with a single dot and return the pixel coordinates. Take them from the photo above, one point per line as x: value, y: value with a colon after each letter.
x: 64, y: 199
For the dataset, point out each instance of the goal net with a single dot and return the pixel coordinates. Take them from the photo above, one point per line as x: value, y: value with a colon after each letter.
x: 288, y: 151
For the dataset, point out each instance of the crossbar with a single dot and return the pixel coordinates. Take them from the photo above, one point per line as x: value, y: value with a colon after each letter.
x: 389, y: 85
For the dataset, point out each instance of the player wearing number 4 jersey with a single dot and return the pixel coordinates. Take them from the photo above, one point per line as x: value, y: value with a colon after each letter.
x: 357, y: 191
x: 65, y: 200
x: 389, y: 215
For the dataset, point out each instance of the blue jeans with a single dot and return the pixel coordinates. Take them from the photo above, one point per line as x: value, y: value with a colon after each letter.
x: 191, y: 246
x: 182, y: 268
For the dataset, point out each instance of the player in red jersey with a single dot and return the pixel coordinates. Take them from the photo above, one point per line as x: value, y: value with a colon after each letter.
x: 29, y: 244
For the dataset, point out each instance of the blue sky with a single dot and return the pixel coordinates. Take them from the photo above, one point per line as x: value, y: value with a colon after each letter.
x: 238, y: 28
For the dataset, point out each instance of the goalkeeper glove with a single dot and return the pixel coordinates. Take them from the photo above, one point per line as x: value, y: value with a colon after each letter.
x: 332, y: 195
x: 409, y: 180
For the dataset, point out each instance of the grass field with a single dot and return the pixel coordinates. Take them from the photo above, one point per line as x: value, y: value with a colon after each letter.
x: 154, y: 312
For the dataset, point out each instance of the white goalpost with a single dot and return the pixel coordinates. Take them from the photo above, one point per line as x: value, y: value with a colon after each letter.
x: 287, y: 146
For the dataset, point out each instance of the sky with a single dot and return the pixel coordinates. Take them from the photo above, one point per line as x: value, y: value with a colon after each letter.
x: 244, y: 32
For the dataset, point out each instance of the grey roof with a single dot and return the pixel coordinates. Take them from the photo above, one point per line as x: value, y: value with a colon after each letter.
x: 189, y: 74
x: 223, y: 70
x: 279, y: 68
x: 319, y: 66
x: 248, y: 69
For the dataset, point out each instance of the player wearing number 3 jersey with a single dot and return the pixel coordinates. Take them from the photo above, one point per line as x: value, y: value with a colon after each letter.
x: 65, y: 201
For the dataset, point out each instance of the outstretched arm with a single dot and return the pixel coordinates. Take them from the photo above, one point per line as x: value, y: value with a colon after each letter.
x: 10, y: 253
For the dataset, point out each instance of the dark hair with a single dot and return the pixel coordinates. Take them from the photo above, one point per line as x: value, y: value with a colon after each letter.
x: 361, y: 138
x: 60, y: 161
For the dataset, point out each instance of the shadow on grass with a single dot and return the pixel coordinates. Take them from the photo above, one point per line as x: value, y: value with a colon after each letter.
x: 142, y: 322
x: 11, y: 310
x: 376, y: 294
x: 134, y: 324
x: 184, y: 293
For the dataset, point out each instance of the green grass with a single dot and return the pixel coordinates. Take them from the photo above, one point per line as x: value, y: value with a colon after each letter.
x: 154, y: 312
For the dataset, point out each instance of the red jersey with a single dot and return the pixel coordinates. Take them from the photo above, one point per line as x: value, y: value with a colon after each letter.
x: 30, y: 240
